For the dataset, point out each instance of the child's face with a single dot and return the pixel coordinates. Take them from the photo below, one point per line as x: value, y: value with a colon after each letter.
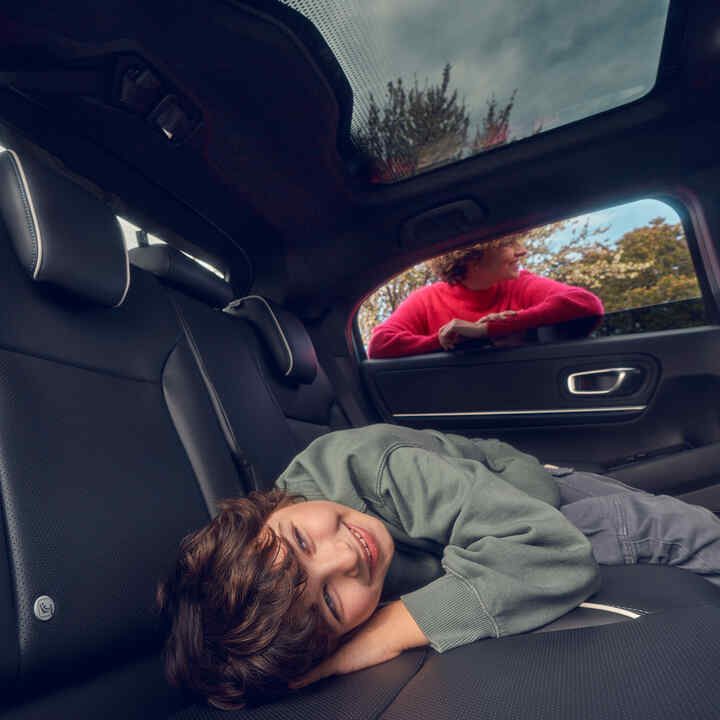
x: 345, y: 553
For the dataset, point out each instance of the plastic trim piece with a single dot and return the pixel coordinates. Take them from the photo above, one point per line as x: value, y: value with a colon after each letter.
x: 620, y: 372
x: 610, y: 609
x: 490, y: 413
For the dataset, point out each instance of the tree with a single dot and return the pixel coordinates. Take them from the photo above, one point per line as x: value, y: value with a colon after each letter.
x: 646, y: 266
x: 421, y: 127
x: 384, y: 301
x: 495, y: 125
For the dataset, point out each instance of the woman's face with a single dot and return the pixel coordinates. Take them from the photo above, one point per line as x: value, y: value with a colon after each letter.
x: 345, y: 554
x: 503, y: 261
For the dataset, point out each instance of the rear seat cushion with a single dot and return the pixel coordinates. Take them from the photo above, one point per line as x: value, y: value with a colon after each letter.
x: 284, y: 335
x: 52, y: 221
x: 181, y: 272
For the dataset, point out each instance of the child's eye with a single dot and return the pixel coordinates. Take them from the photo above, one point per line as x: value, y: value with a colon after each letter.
x: 299, y: 540
x: 329, y: 602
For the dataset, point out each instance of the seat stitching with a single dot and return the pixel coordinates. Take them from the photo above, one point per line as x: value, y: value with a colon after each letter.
x: 418, y: 666
x: 235, y: 303
x: 78, y: 366
x: 26, y: 207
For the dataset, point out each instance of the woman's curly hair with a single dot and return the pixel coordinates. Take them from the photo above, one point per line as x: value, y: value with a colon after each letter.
x: 452, y: 267
x: 237, y: 630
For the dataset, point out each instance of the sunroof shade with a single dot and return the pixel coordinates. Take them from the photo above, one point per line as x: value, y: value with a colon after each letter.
x: 435, y: 81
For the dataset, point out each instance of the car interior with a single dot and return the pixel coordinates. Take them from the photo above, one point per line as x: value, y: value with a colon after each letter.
x: 146, y: 374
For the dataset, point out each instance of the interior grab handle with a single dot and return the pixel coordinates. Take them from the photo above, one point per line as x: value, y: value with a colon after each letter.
x: 605, y: 381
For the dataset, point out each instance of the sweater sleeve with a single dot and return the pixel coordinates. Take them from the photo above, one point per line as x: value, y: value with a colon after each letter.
x: 512, y: 563
x: 546, y: 302
x: 405, y: 332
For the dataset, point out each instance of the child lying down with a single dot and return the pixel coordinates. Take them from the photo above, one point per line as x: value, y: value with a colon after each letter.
x: 461, y: 539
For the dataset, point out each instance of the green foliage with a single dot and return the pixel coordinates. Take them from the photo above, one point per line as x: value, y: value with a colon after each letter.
x: 383, y: 303
x: 421, y: 127
x: 495, y: 125
x: 653, y: 318
x: 646, y: 266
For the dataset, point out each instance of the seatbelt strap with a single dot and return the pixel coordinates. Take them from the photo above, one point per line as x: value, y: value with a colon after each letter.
x: 338, y: 369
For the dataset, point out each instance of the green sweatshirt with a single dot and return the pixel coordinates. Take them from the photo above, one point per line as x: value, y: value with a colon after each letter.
x: 510, y: 561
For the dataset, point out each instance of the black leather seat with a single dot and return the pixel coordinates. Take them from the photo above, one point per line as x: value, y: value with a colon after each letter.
x: 97, y: 488
x: 285, y: 359
x: 113, y: 445
x: 271, y: 395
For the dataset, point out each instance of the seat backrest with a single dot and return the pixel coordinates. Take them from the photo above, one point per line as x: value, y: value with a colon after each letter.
x: 270, y: 393
x: 99, y: 408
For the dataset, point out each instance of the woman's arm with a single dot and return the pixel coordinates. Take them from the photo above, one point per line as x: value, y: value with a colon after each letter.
x: 405, y: 332
x: 545, y: 302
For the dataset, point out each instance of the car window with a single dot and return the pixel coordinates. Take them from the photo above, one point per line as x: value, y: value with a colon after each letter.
x: 432, y: 87
x: 634, y: 257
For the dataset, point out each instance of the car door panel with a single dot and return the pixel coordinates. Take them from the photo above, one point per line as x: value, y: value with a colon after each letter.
x: 660, y: 433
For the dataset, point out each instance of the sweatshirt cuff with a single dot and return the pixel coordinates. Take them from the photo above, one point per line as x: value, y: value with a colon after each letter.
x: 450, y: 613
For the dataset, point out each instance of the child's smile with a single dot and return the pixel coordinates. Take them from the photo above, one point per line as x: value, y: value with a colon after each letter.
x: 345, y: 554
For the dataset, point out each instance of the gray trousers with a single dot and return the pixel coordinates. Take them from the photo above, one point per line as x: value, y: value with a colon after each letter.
x: 626, y: 525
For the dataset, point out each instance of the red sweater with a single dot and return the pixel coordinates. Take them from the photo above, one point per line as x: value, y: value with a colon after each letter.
x: 413, y: 327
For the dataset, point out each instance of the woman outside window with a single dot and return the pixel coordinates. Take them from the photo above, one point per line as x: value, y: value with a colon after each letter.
x: 482, y: 293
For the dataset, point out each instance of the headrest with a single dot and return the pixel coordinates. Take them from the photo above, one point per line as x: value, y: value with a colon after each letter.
x: 183, y: 273
x: 283, y: 334
x: 63, y: 234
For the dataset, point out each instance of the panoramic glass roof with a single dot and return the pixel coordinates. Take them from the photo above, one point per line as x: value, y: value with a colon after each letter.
x: 435, y: 81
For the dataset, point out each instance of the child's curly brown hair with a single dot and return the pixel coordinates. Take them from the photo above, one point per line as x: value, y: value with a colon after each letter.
x: 237, y: 631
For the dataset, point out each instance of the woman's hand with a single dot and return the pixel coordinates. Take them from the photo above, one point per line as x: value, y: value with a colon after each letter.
x: 498, y: 316
x: 455, y: 331
x: 390, y: 631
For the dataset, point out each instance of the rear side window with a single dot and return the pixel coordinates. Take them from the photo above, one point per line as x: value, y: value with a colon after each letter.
x: 634, y: 257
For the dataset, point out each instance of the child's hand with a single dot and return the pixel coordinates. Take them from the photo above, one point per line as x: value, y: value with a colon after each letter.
x: 384, y: 636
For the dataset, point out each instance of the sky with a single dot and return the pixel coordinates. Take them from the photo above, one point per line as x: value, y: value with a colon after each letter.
x: 620, y: 219
x: 566, y: 59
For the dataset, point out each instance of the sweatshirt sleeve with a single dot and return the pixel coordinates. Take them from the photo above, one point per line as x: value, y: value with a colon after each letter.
x: 546, y: 302
x: 512, y: 563
x: 405, y: 332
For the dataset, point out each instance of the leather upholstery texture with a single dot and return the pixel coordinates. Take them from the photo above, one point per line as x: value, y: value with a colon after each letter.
x: 658, y: 667
x: 61, y: 233
x: 181, y: 272
x: 283, y: 334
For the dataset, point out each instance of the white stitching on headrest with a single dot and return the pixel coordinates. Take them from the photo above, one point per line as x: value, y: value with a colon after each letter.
x: 38, y: 261
x: 235, y: 303
x: 26, y: 189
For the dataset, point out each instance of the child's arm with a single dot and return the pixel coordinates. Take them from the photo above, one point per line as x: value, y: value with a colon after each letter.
x: 390, y: 631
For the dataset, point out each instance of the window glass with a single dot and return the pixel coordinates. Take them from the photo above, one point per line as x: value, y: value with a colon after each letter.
x: 634, y: 257
x: 434, y: 82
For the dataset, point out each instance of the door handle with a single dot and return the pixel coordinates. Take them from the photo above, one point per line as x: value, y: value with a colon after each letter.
x: 606, y: 381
